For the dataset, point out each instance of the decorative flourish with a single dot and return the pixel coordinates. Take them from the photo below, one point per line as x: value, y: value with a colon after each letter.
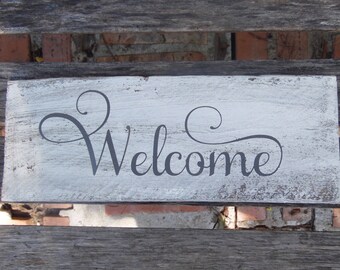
x: 72, y: 119
x: 257, y: 136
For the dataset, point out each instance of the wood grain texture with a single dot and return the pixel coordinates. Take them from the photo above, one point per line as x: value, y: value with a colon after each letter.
x: 155, y: 15
x: 35, y: 71
x: 16, y: 71
x: 166, y: 135
x: 3, y: 89
x: 111, y: 248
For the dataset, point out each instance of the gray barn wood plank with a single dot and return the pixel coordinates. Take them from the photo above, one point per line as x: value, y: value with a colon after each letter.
x: 112, y: 248
x: 18, y: 71
x: 158, y: 15
x: 3, y: 89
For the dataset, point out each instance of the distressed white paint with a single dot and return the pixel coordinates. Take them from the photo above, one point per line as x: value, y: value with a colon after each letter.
x: 300, y: 112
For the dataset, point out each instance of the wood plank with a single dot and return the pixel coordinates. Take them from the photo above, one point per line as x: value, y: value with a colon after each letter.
x: 99, y: 248
x: 35, y: 70
x: 157, y: 15
x: 226, y: 139
x: 17, y: 71
x: 3, y: 89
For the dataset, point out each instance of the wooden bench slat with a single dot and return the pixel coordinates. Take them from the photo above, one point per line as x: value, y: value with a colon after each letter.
x: 159, y: 15
x: 16, y: 71
x: 102, y: 248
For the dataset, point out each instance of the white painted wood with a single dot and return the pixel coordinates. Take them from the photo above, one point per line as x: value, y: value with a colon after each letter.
x: 294, y: 118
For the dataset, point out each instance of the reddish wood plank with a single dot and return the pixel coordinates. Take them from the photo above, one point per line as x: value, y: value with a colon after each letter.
x: 251, y: 46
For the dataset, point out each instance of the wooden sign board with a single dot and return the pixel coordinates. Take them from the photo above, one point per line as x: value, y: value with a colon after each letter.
x: 218, y: 139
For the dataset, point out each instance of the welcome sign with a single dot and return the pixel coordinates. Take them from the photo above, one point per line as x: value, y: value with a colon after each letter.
x: 181, y: 138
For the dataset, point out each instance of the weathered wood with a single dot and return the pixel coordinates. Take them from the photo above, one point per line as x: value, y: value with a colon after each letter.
x: 16, y: 71
x: 110, y: 248
x: 54, y: 70
x: 157, y: 15
x: 3, y: 89
x: 265, y: 139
